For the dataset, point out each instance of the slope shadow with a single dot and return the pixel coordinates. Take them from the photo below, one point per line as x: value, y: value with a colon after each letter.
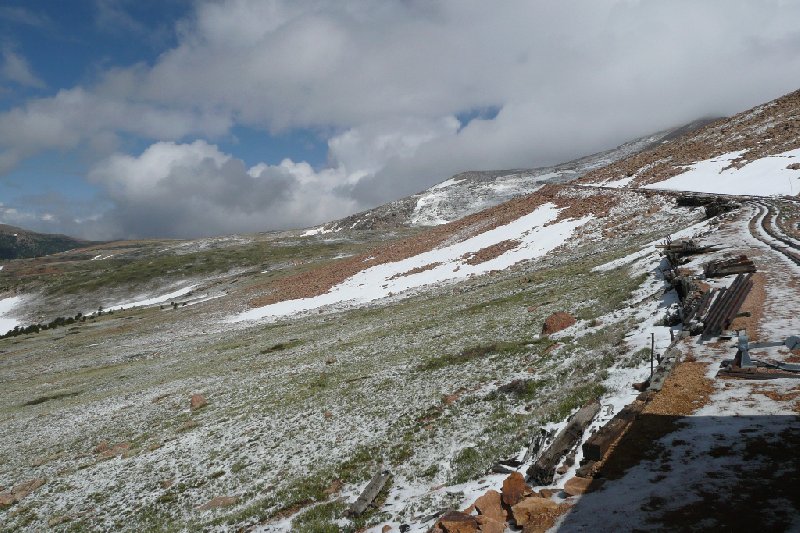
x: 697, y: 473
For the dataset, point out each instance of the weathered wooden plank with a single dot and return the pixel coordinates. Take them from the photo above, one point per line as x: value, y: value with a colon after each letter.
x: 369, y: 494
x: 543, y: 469
x: 595, y: 448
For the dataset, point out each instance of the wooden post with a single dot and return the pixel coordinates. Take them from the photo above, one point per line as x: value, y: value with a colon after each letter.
x: 652, y: 352
x: 371, y: 492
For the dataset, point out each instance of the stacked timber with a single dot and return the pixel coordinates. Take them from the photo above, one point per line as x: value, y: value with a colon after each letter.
x: 727, y: 267
x: 726, y: 305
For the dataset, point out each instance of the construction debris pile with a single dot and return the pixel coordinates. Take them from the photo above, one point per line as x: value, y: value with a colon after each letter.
x: 702, y: 310
x: 713, y: 205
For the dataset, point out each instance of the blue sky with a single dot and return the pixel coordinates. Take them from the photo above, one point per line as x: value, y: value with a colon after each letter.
x: 178, y: 118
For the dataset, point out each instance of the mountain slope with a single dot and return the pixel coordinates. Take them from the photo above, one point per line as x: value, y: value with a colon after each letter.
x: 258, y: 382
x: 472, y: 191
x: 18, y: 243
x: 754, y: 152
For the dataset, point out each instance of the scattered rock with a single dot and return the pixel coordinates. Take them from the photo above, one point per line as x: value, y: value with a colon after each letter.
x: 490, y: 525
x: 20, y: 491
x: 334, y: 488
x: 107, y: 451
x: 218, y: 502
x: 198, y: 401
x: 491, y: 506
x: 449, y: 399
x: 557, y: 322
x: 536, y: 514
x: 189, y: 424
x: 548, y: 493
x: 57, y: 520
x: 580, y: 485
x: 515, y: 489
x: 457, y: 522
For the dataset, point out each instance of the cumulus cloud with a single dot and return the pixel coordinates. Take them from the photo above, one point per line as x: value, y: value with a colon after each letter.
x: 390, y: 78
x: 190, y: 190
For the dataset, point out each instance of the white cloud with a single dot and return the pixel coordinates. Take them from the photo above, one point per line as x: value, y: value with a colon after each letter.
x: 16, y: 69
x: 75, y: 116
x: 190, y: 190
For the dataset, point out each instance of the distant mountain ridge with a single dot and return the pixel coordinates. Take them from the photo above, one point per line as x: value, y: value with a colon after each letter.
x: 18, y: 243
x: 473, y: 191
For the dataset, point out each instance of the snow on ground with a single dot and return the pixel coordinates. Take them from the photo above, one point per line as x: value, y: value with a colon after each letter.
x: 768, y: 176
x: 320, y: 230
x: 646, y: 306
x: 152, y: 300
x: 710, y: 456
x: 426, y: 212
x: 649, y: 252
x: 6, y: 305
x: 445, y: 184
x: 389, y: 279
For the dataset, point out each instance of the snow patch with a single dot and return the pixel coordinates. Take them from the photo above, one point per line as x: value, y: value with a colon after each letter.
x: 152, y: 300
x: 6, y: 305
x: 767, y: 176
x: 389, y: 279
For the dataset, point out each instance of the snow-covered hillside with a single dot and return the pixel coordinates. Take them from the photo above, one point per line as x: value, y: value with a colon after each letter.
x: 471, y: 192
x: 756, y: 152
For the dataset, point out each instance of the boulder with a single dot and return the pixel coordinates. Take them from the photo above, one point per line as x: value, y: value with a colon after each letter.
x: 557, y: 322
x: 491, y: 505
x: 548, y: 493
x: 386, y: 529
x: 458, y: 522
x: 515, y: 489
x: 536, y: 514
x: 490, y: 525
x: 198, y: 401
x: 580, y: 485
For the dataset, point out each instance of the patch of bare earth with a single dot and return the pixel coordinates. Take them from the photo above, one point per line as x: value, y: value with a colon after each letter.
x: 320, y: 280
x: 417, y: 270
x: 769, y: 129
x: 685, y: 390
x: 490, y: 252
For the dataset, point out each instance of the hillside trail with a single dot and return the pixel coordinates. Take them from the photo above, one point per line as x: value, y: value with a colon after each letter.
x: 714, y: 453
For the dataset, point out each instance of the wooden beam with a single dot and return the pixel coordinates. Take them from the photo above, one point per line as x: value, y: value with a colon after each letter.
x: 542, y: 471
